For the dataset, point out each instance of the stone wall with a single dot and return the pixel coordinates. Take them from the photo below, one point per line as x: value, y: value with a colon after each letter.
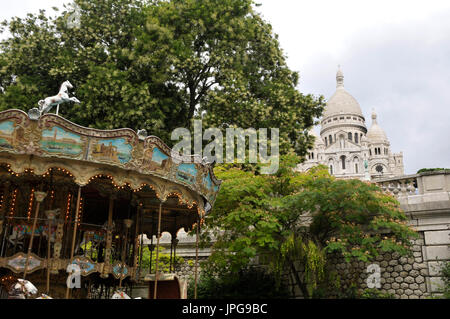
x: 400, y: 277
x: 186, y: 270
x: 413, y: 277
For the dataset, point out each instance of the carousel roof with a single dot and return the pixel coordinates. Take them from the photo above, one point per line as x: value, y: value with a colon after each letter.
x: 128, y: 159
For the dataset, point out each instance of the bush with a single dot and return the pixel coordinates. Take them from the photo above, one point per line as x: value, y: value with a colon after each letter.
x: 375, y: 294
x: 251, y: 283
x: 423, y: 170
x: 446, y: 278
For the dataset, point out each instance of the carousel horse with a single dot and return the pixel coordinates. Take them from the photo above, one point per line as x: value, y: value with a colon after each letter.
x: 62, y: 97
x: 22, y: 289
x: 16, y: 239
x: 120, y: 295
x: 19, y: 231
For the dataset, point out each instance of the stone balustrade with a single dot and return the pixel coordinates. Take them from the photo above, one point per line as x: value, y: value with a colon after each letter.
x: 400, y: 186
x: 418, y: 188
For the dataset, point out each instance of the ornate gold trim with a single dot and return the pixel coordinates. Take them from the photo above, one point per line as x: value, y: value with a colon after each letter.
x: 120, y: 153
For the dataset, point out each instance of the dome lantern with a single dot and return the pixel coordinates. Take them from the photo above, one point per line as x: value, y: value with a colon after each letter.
x: 339, y: 78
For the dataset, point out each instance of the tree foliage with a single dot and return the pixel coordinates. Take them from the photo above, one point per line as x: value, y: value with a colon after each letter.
x: 298, y: 218
x: 251, y: 283
x: 157, y: 65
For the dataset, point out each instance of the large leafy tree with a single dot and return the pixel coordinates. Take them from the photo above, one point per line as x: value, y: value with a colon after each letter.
x: 291, y: 221
x: 96, y: 55
x: 157, y: 65
x: 229, y: 67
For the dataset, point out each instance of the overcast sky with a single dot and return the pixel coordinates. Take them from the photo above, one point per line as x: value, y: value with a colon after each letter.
x: 395, y: 56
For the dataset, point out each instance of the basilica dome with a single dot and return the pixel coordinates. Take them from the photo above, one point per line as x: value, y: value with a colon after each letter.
x: 341, y: 102
x: 376, y: 134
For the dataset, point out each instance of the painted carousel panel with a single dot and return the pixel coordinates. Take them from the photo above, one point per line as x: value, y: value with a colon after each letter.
x: 59, y: 141
x: 17, y: 263
x: 87, y: 266
x: 187, y: 173
x: 155, y: 160
x: 115, y: 150
x: 11, y: 135
x: 120, y: 270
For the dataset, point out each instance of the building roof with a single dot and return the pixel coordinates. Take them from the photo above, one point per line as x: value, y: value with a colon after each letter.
x: 341, y: 102
x: 376, y: 134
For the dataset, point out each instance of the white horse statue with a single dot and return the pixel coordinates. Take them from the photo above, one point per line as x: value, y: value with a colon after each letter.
x: 62, y: 97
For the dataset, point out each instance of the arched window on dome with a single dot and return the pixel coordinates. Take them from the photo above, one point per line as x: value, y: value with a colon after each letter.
x: 326, y: 141
x: 356, y: 137
x: 350, y: 135
x: 331, y: 169
x: 331, y: 139
x: 312, y: 155
x: 370, y: 152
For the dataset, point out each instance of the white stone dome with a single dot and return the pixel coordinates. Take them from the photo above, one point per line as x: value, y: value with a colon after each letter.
x: 341, y: 102
x: 376, y: 134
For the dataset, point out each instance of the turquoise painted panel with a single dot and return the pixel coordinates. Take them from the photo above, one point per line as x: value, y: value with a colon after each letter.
x: 187, y: 173
x: 59, y: 141
x: 6, y: 134
x: 114, y: 150
x: 158, y: 156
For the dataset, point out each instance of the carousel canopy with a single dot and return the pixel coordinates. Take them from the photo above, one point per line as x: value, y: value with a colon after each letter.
x: 123, y: 156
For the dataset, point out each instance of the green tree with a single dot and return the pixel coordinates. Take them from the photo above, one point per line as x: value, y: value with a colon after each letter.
x: 96, y: 56
x: 293, y: 219
x: 229, y: 67
x: 251, y: 283
x: 157, y: 65
x: 163, y: 260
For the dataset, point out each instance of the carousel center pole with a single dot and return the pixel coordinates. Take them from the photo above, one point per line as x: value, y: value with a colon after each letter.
x: 50, y: 224
x: 128, y: 223
x: 39, y: 198
x: 74, y: 232
x: 157, y: 252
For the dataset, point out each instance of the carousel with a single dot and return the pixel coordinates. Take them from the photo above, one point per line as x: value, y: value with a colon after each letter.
x: 75, y: 203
